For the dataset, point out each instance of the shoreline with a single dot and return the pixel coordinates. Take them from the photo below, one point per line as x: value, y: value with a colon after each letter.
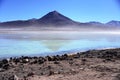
x: 91, y: 64
x: 68, y: 52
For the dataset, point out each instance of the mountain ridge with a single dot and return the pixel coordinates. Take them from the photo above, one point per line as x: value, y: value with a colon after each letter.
x: 55, y: 18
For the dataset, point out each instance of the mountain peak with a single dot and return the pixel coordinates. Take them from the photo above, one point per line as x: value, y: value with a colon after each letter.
x: 55, y: 18
x: 54, y: 12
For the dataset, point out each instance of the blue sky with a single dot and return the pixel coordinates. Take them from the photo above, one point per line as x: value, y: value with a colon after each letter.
x: 78, y: 10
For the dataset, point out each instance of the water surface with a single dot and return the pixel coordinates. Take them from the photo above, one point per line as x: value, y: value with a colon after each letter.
x: 47, y: 44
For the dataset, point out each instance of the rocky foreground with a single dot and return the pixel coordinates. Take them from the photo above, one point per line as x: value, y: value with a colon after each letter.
x: 89, y: 65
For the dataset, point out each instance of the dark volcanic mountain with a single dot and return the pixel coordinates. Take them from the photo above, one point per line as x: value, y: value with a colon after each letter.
x: 56, y: 19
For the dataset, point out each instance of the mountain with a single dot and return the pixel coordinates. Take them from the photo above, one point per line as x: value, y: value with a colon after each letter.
x: 54, y: 18
x: 113, y: 23
x: 95, y: 23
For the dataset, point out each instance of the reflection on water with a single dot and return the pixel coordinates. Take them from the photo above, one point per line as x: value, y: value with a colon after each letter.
x: 14, y: 45
x: 55, y: 45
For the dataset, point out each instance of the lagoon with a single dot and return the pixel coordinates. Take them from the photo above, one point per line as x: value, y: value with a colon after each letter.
x: 50, y: 43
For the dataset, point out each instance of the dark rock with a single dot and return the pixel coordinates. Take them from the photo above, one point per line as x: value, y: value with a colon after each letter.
x: 51, y: 73
x: 6, y: 66
x: 49, y: 58
x: 56, y: 62
x: 41, y: 60
x: 4, y: 61
x: 30, y: 74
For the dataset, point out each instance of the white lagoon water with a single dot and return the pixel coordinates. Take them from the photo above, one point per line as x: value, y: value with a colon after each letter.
x: 17, y: 45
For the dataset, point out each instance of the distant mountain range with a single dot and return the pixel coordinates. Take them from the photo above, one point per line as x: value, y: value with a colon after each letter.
x: 113, y: 23
x: 54, y: 18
